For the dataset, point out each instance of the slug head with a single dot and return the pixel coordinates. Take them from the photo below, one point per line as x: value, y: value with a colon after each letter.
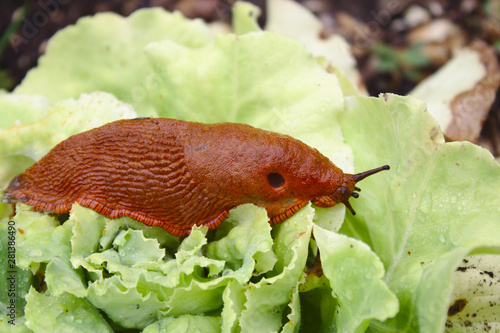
x: 237, y: 164
x: 346, y: 190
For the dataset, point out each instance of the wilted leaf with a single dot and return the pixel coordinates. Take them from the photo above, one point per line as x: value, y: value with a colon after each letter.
x: 461, y: 93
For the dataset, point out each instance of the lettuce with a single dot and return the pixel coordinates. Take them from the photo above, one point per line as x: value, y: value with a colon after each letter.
x: 390, y: 267
x: 64, y: 313
x: 109, y: 52
x: 436, y: 206
x: 32, y: 134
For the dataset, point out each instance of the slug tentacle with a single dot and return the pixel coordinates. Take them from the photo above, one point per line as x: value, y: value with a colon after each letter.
x: 346, y: 190
x: 360, y: 176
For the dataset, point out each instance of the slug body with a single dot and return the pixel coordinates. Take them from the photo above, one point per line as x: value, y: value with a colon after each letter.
x: 175, y: 174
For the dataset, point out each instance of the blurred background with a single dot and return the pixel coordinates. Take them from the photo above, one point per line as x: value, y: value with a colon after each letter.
x: 396, y: 43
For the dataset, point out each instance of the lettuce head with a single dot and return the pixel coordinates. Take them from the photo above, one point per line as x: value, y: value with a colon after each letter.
x: 391, y: 267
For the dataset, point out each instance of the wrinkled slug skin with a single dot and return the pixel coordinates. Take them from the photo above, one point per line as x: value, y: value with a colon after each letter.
x: 174, y: 174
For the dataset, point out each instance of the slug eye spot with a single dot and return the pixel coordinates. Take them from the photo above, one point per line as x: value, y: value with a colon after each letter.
x: 275, y: 179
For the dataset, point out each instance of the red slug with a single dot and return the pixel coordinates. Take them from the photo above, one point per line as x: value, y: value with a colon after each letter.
x: 175, y: 174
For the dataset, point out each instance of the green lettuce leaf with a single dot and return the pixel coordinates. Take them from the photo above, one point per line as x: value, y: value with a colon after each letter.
x: 247, y: 249
x: 355, y: 274
x: 135, y: 281
x: 87, y: 231
x: 64, y: 313
x: 221, y: 93
x: 234, y: 300
x: 15, y: 281
x: 438, y: 203
x: 267, y: 301
x: 22, y: 109
x: 18, y: 327
x: 41, y: 243
x: 106, y: 54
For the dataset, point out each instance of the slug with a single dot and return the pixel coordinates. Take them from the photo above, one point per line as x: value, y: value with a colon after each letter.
x: 175, y: 174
